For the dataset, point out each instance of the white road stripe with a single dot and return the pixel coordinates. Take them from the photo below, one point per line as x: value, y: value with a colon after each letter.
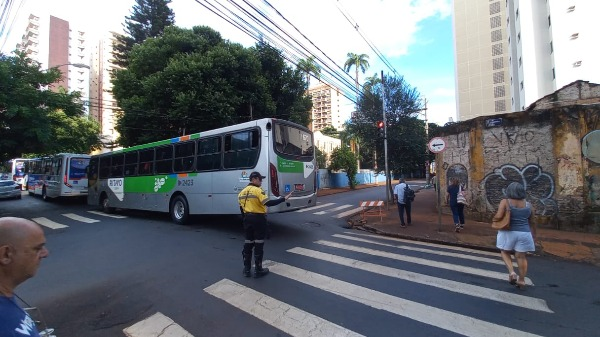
x: 462, y: 249
x: 156, y: 325
x: 308, y: 209
x: 348, y: 213
x: 289, y: 319
x: 333, y: 209
x: 48, y: 223
x: 116, y: 216
x: 443, y: 319
x: 418, y: 260
x: 425, y: 250
x: 457, y: 287
x: 80, y: 218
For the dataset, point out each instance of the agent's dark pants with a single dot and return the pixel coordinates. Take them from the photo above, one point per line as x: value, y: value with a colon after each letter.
x: 458, y: 213
x: 401, y: 209
x: 255, y: 230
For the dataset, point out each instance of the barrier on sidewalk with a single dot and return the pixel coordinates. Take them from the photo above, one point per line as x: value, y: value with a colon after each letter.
x: 371, y: 208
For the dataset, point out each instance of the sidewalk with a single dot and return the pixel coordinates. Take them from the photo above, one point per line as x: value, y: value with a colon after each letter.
x: 582, y: 247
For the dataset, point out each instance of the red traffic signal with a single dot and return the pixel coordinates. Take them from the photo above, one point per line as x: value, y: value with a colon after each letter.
x: 380, y: 124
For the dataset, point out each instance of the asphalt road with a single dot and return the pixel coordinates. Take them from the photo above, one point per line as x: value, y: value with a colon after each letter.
x: 105, y: 276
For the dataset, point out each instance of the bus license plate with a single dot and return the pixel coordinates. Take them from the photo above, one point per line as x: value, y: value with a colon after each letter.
x: 298, y: 187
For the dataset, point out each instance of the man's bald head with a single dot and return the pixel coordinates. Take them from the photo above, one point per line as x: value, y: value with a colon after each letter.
x: 22, y: 248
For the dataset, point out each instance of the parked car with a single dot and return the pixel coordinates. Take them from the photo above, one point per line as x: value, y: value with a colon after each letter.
x: 10, y: 189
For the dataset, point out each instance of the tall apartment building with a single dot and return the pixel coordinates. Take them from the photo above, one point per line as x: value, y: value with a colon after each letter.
x: 54, y: 43
x: 102, y: 103
x: 327, y: 107
x: 511, y: 53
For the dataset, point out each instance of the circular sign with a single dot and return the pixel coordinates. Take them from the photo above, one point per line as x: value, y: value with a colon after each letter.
x: 437, y: 144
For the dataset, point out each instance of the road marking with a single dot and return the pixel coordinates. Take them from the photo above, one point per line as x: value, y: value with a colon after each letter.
x: 454, y: 286
x: 80, y: 218
x: 156, y: 325
x: 289, y: 319
x: 425, y: 250
x: 314, y: 207
x: 48, y: 223
x: 468, y: 250
x: 348, y: 213
x: 418, y: 260
x: 116, y: 216
x: 333, y: 209
x: 443, y: 319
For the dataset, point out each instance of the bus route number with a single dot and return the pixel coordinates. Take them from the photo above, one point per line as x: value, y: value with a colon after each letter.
x: 185, y: 182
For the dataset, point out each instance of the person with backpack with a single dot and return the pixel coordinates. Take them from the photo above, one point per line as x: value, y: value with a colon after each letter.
x: 455, y: 198
x: 404, y: 196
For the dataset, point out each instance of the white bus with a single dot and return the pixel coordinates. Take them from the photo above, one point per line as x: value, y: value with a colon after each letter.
x: 203, y: 173
x: 60, y: 175
x: 16, y: 169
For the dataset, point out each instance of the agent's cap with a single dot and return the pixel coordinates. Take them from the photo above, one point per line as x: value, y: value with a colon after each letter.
x: 256, y: 175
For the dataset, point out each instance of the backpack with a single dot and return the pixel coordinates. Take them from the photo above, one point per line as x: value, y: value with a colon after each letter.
x: 409, y: 194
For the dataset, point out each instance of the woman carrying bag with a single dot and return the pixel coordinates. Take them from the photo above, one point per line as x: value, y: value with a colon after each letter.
x: 520, y: 233
x: 456, y: 199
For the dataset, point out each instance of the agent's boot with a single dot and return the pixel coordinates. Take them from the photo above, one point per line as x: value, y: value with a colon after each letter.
x: 259, y: 271
x: 247, y: 256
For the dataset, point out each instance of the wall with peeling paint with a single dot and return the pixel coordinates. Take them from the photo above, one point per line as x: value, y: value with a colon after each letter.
x: 542, y: 149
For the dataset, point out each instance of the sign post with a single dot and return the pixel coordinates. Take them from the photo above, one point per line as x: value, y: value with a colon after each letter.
x: 438, y: 145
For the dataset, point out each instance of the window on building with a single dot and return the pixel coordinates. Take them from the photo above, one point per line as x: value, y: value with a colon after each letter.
x: 551, y: 47
x: 553, y: 73
x: 519, y: 37
x: 517, y: 13
x: 521, y: 85
x: 500, y: 106
x: 497, y: 49
x: 520, y: 61
x: 549, y: 21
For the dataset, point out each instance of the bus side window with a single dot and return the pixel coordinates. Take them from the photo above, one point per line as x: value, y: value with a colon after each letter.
x: 241, y: 149
x: 146, y: 166
x: 184, y: 156
x: 164, y: 159
x: 131, y: 164
x: 209, y: 154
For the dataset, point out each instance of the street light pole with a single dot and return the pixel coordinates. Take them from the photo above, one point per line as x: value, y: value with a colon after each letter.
x: 385, y: 149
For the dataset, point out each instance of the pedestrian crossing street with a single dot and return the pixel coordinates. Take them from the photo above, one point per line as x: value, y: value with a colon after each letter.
x: 332, y: 209
x: 340, y: 250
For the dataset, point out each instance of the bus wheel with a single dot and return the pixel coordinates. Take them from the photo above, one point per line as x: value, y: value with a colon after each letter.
x: 179, y: 210
x: 45, y: 195
x: 106, y: 205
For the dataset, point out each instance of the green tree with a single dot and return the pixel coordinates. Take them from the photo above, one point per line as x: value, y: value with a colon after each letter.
x: 309, y: 67
x: 343, y: 159
x: 149, y: 18
x: 405, y: 131
x: 358, y: 62
x: 191, y: 80
x: 321, y: 158
x: 34, y: 120
x: 330, y: 131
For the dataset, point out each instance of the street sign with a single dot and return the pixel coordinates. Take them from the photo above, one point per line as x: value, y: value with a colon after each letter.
x: 437, y: 145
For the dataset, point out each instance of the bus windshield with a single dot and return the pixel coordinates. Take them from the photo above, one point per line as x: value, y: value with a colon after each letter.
x: 292, y: 141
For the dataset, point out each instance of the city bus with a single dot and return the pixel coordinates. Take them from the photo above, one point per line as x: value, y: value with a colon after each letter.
x: 59, y: 175
x: 202, y: 173
x: 16, y: 169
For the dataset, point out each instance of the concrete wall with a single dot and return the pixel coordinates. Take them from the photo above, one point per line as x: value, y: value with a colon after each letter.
x: 541, y: 149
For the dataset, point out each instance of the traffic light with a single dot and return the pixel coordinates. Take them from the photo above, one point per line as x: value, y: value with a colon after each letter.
x: 380, y: 126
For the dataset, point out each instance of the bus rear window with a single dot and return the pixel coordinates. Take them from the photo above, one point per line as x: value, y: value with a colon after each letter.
x: 292, y: 141
x: 78, y: 168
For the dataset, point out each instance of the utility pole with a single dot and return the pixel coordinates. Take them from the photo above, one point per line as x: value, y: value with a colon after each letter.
x: 385, y: 150
x: 427, y: 174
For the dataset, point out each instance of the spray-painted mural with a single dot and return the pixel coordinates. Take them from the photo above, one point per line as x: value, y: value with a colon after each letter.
x: 538, y: 184
x: 458, y: 171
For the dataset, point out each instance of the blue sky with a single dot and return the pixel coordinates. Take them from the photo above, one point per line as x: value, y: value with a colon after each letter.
x: 414, y: 35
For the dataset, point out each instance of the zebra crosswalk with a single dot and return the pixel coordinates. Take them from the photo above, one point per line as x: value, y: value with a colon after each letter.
x: 397, y: 254
x: 59, y: 224
x: 332, y: 209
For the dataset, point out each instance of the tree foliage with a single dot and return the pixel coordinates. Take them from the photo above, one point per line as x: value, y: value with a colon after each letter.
x: 309, y: 67
x: 149, y: 18
x: 359, y: 62
x: 344, y: 159
x: 321, y: 158
x: 330, y: 131
x: 407, y: 143
x: 191, y: 80
x: 34, y: 120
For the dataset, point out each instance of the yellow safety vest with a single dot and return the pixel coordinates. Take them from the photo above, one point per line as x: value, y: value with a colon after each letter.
x: 252, y: 199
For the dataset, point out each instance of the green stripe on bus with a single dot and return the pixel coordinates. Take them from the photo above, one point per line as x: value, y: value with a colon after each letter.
x: 149, y: 184
x: 289, y: 166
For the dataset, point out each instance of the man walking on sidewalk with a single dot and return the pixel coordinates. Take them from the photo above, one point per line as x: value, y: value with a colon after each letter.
x: 402, y: 202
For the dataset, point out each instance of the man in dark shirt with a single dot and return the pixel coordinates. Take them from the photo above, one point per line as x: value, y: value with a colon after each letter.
x: 22, y: 248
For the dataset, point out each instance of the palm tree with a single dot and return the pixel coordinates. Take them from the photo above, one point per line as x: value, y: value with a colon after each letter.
x: 358, y: 62
x: 309, y: 67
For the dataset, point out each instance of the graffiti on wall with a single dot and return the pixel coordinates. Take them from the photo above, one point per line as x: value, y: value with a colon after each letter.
x: 590, y: 146
x: 457, y: 171
x: 594, y: 188
x: 538, y: 184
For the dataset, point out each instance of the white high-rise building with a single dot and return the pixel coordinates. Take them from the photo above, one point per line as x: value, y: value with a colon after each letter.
x: 511, y: 53
x: 328, y: 103
x: 102, y: 103
x: 53, y: 42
